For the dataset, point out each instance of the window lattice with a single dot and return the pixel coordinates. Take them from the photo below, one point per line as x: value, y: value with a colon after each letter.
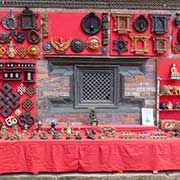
x: 96, y: 86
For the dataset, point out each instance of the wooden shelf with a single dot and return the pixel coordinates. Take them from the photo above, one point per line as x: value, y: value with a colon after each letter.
x: 168, y: 95
x: 168, y: 110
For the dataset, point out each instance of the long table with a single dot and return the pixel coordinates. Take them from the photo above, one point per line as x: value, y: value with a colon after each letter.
x: 112, y: 154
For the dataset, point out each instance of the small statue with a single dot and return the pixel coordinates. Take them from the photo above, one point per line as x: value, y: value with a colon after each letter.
x: 43, y: 134
x: 53, y: 127
x: 78, y: 135
x: 33, y: 134
x: 68, y: 131
x: 174, y: 72
x: 89, y: 135
x: 170, y: 105
x: 92, y: 116
x: 177, y: 105
x: 55, y: 135
x: 11, y: 50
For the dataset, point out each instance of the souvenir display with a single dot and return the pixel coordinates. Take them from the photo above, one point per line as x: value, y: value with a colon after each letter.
x: 159, y: 23
x: 60, y: 45
x: 122, y: 23
x: 141, y: 24
x: 93, y: 44
x: 44, y: 25
x: 47, y: 47
x: 77, y: 45
x: 135, y: 48
x: 10, y: 66
x: 4, y: 37
x: 160, y: 44
x: 9, y: 100
x: 120, y: 45
x: 10, y: 21
x: 33, y: 37
x: 11, y: 50
x: 28, y: 19
x: 20, y: 36
x: 91, y: 24
x: 105, y: 27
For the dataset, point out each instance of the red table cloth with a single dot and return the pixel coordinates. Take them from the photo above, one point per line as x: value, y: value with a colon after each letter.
x: 112, y: 154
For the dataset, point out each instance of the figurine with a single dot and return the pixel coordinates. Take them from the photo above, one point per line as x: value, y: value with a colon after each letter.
x: 174, y: 72
x: 177, y: 105
x: 43, y: 134
x: 53, y: 127
x: 33, y: 134
x: 88, y: 134
x: 92, y: 116
x: 78, y: 135
x: 11, y: 50
x: 55, y: 135
x: 169, y: 105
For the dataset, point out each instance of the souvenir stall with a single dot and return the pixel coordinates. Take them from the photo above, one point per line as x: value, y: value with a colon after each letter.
x: 96, y: 49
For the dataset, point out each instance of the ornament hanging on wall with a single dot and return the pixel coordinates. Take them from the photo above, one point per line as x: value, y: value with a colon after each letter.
x: 141, y: 24
x: 140, y: 38
x: 33, y: 51
x: 160, y: 44
x: 47, y: 47
x: 60, y: 45
x: 11, y: 50
x: 159, y: 23
x: 22, y: 51
x: 33, y: 37
x: 45, y: 24
x: 77, y: 45
x: 120, y: 45
x: 105, y: 27
x: 93, y: 44
x: 25, y: 120
x: 2, y: 51
x: 20, y: 36
x: 122, y: 23
x: 91, y: 24
x: 4, y: 37
x: 10, y: 21
x: 28, y: 19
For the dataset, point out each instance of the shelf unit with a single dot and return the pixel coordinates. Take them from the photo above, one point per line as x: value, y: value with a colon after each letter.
x: 166, y: 97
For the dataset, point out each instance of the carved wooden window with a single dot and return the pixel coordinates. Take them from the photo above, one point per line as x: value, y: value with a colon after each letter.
x: 96, y: 86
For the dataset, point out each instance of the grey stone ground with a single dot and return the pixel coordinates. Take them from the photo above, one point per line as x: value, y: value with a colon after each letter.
x: 170, y: 175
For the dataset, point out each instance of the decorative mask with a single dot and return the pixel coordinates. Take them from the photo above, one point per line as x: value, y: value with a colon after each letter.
x: 2, y: 51
x: 33, y: 51
x: 4, y: 37
x: 77, y: 45
x: 93, y: 44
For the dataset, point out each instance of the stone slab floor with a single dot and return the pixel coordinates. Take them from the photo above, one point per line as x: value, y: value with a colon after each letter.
x: 167, y: 175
